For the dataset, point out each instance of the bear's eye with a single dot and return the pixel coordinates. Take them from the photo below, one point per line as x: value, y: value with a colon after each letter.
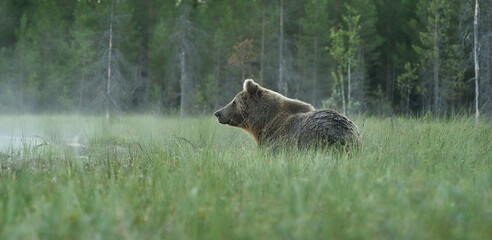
x: 234, y: 103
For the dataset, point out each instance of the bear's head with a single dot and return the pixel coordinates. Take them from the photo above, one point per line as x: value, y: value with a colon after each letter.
x: 254, y: 109
x: 248, y: 107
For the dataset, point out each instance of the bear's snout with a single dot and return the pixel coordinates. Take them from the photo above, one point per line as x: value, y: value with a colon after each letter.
x: 218, y: 114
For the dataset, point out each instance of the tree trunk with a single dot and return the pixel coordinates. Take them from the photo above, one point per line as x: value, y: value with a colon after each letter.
x: 389, y: 87
x: 408, y: 101
x: 282, y: 85
x: 343, y: 92
x: 184, y: 85
x: 436, y: 59
x: 108, y: 86
x: 337, y: 10
x: 262, y: 54
x: 217, y: 71
x: 82, y: 81
x: 149, y: 37
x: 486, y: 81
x: 315, y: 70
x: 21, y: 79
x: 348, y: 79
x: 477, y: 67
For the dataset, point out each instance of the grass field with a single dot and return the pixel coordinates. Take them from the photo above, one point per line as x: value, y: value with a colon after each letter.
x: 145, y: 177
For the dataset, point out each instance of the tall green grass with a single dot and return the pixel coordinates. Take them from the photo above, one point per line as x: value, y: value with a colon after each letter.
x: 145, y: 177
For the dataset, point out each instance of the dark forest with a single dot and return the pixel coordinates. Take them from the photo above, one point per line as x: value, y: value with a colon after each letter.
x: 188, y: 57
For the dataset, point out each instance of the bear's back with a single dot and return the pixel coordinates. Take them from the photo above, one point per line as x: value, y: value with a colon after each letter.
x: 323, y: 127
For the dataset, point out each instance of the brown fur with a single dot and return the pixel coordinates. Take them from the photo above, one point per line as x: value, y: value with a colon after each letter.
x: 271, y: 118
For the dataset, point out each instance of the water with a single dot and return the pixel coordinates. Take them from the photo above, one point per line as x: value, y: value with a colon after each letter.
x: 14, y: 145
x: 15, y: 142
x: 27, y: 131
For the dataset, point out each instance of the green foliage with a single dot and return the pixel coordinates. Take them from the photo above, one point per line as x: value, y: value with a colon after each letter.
x: 406, y: 83
x: 335, y: 99
x: 450, y: 56
x: 146, y: 177
x: 346, y: 43
x: 370, y: 38
x: 338, y: 48
x: 54, y: 52
x: 158, y: 59
x: 381, y: 106
x: 353, y: 31
x: 405, y: 80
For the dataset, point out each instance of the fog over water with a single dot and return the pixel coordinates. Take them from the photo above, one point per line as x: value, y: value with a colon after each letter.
x: 18, y: 132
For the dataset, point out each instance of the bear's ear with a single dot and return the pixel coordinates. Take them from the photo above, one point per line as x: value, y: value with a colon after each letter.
x: 251, y: 87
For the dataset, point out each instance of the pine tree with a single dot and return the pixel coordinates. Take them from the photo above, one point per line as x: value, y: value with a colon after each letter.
x: 282, y: 81
x: 406, y: 84
x: 27, y: 67
x: 345, y: 46
x: 439, y: 48
x: 83, y: 49
x: 477, y: 65
x: 351, y: 20
x: 185, y: 63
x: 367, y: 57
x: 314, y: 39
x: 338, y: 52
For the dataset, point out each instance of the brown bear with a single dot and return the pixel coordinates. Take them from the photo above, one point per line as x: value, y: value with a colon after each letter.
x: 271, y: 118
